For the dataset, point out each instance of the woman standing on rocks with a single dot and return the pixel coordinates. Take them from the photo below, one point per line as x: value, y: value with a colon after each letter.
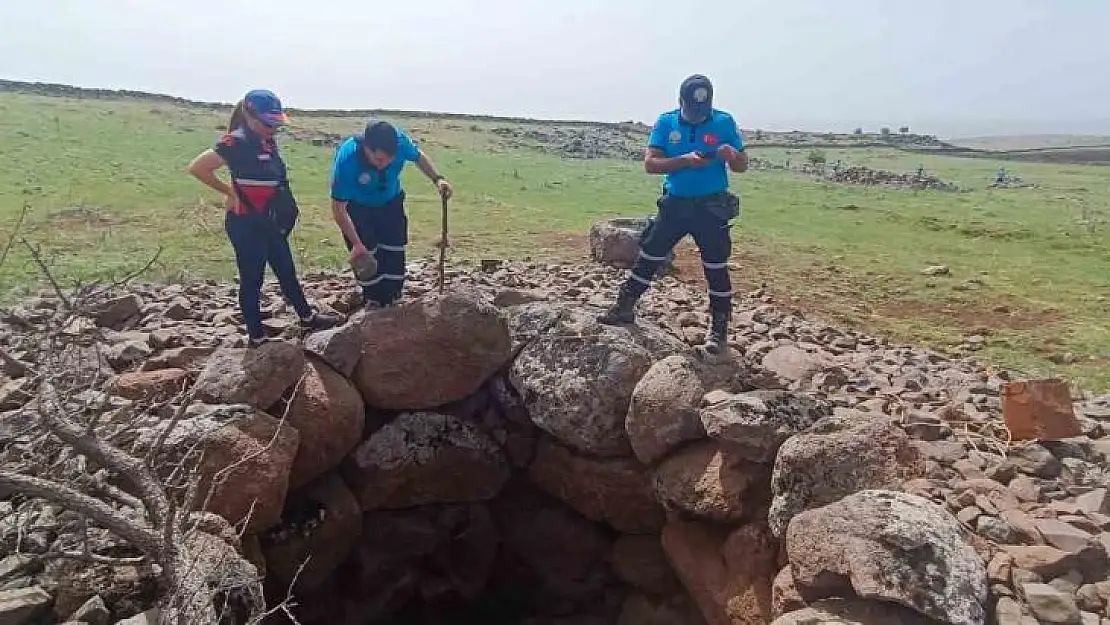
x: 261, y: 209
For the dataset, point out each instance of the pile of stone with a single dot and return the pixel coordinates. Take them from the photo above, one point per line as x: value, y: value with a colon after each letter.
x: 494, y: 455
x: 578, y: 142
x: 874, y: 177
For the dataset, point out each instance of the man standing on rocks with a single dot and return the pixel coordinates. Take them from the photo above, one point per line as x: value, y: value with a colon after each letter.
x: 694, y: 147
x: 368, y: 204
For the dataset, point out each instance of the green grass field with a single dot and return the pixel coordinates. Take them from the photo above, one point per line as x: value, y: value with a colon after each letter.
x: 1030, y: 268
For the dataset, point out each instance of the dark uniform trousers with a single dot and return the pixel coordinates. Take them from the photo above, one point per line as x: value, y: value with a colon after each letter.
x: 258, y: 242
x: 384, y: 232
x: 707, y: 220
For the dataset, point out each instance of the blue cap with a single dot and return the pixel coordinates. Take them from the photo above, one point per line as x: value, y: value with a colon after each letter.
x: 265, y: 106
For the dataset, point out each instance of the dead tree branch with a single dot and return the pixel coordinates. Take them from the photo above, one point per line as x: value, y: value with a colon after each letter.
x: 36, y: 255
x: 15, y: 233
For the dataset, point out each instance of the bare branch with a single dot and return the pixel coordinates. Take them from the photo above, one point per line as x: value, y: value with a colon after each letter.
x: 178, y: 414
x: 92, y: 558
x: 129, y: 277
x: 127, y: 466
x: 37, y: 256
x: 15, y: 233
x: 142, y: 537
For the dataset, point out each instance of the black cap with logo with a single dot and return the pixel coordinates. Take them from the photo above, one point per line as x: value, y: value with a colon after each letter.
x: 696, y: 97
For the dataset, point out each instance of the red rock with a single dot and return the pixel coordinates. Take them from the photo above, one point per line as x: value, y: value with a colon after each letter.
x: 663, y: 412
x: 431, y: 351
x: 152, y: 386
x: 728, y: 575
x: 1094, y: 501
x: 1063, y: 536
x: 329, y: 415
x: 248, y: 450
x: 257, y: 376
x: 1048, y: 562
x: 614, y: 490
x: 705, y: 481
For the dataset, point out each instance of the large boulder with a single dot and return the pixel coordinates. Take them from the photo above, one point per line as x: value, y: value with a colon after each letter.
x: 839, y: 456
x: 329, y: 416
x: 257, y: 376
x: 424, y: 458
x: 729, y: 574
x: 431, y: 351
x: 663, y: 412
x: 576, y: 376
x: 616, y: 242
x: 319, y: 525
x: 753, y: 425
x: 707, y: 482
x: 340, y: 347
x: 615, y: 490
x: 888, y: 546
x: 247, y: 457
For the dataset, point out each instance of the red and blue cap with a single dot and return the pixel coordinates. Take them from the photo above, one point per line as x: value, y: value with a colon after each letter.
x: 265, y: 106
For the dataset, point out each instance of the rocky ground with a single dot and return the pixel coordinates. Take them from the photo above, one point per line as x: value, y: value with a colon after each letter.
x: 494, y: 455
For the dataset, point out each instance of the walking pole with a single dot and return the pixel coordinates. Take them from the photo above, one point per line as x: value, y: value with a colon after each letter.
x: 443, y: 245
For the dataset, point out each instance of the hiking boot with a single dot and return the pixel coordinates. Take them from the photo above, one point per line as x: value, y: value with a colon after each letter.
x: 717, y: 341
x: 623, y: 311
x: 373, y: 304
x: 258, y: 341
x: 321, y: 320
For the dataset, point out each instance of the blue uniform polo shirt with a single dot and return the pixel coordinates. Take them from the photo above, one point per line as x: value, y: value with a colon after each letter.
x: 676, y: 136
x: 355, y: 180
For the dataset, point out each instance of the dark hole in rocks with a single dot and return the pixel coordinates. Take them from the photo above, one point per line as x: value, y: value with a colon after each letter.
x: 522, y: 556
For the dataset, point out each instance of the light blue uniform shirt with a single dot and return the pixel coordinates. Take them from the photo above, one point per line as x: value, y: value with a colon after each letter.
x: 676, y: 136
x: 355, y: 180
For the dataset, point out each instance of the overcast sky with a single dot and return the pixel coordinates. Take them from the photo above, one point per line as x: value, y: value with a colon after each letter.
x: 947, y: 67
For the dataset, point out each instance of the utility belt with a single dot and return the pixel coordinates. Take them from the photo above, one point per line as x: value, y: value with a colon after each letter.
x: 393, y: 202
x: 722, y: 205
x: 279, y: 204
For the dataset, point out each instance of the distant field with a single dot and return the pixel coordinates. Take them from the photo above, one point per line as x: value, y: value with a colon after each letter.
x: 1030, y: 268
x: 1031, y: 142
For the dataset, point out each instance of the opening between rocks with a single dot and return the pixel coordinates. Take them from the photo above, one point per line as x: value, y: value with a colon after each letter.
x: 528, y: 500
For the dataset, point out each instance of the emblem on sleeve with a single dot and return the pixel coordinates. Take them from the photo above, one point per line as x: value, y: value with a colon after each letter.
x: 675, y: 136
x: 364, y: 178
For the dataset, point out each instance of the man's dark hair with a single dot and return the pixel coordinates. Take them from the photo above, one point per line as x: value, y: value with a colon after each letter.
x: 380, y: 135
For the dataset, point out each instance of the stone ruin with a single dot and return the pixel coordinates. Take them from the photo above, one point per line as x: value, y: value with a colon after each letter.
x: 616, y: 242
x: 876, y: 177
x: 493, y: 455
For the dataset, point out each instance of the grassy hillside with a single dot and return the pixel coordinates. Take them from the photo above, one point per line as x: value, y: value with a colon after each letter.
x: 1031, y: 142
x: 1030, y: 267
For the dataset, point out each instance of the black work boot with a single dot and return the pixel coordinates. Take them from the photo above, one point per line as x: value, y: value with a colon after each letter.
x: 717, y: 341
x: 321, y: 320
x: 623, y: 311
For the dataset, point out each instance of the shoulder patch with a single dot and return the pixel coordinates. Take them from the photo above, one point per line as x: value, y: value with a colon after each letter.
x: 232, y: 137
